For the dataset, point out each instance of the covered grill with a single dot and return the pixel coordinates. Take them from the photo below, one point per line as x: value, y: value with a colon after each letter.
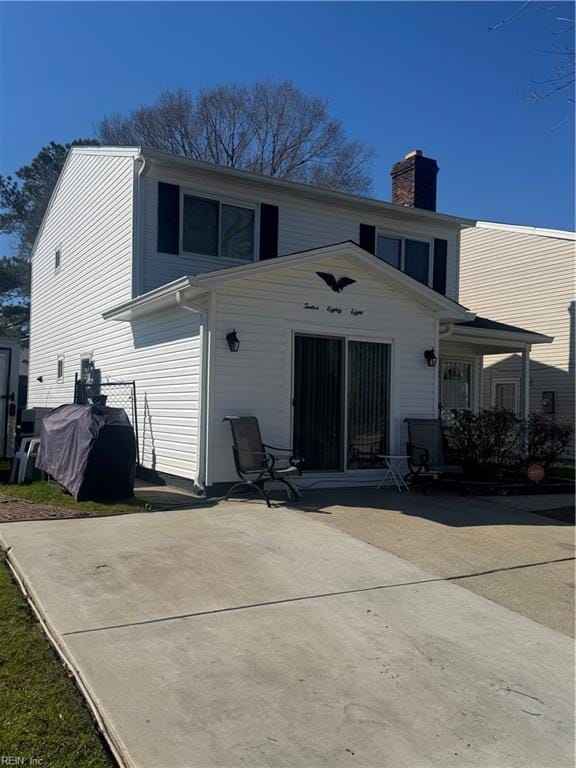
x: 90, y: 450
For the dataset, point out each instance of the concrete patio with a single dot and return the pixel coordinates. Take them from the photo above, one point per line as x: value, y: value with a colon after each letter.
x: 242, y: 636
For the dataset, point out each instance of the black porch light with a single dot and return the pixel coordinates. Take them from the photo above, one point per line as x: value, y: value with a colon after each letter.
x: 431, y: 358
x: 233, y: 341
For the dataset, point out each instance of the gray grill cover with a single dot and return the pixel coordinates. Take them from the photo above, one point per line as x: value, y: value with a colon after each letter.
x: 90, y: 450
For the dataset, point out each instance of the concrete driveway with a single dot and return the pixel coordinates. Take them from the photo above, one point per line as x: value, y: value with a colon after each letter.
x: 242, y: 636
x: 493, y: 546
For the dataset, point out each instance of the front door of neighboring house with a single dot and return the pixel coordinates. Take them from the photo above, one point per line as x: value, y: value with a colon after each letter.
x: 341, y: 402
x: 455, y: 385
x: 505, y: 395
x: 4, y: 393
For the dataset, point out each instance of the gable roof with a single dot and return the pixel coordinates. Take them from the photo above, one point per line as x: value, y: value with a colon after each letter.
x: 559, y: 234
x: 193, y: 286
x: 301, y: 190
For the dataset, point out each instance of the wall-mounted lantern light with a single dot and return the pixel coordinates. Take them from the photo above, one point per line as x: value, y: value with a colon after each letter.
x: 233, y: 341
x: 431, y: 358
x: 40, y: 379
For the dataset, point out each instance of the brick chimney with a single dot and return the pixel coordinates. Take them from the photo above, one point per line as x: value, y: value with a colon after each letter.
x: 414, y: 181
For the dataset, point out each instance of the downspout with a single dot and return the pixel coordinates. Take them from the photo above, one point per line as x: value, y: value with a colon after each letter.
x: 137, y: 255
x: 203, y: 394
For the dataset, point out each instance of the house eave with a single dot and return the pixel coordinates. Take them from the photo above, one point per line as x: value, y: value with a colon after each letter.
x: 307, y: 191
x: 500, y: 338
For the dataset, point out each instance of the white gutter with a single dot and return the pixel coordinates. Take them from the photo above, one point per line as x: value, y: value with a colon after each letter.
x: 448, y: 331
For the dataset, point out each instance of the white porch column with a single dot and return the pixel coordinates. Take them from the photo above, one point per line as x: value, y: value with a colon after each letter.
x: 525, y: 383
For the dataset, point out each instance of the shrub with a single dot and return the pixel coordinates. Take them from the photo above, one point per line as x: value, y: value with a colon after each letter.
x: 486, y: 443
x: 546, y: 440
x: 491, y: 442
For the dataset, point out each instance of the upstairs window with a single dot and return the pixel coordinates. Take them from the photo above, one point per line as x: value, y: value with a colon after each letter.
x: 411, y: 256
x: 390, y: 249
x: 221, y: 230
x: 417, y: 260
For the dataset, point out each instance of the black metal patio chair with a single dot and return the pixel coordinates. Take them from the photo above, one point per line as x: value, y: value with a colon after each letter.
x: 426, y: 450
x: 255, y: 462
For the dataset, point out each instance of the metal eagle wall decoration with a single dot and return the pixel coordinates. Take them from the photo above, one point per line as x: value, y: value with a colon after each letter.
x: 336, y: 285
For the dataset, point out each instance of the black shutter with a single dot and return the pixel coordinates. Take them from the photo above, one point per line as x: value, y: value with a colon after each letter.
x: 168, y: 218
x: 440, y: 260
x: 368, y: 238
x: 268, y: 231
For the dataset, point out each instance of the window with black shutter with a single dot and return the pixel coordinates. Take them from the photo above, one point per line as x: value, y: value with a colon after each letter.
x: 268, y: 231
x: 168, y: 218
x: 440, y: 265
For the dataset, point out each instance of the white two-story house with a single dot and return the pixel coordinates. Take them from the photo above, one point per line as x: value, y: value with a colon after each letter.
x: 220, y: 292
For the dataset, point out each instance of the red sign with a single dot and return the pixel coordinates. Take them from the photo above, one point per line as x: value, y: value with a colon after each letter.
x: 536, y: 473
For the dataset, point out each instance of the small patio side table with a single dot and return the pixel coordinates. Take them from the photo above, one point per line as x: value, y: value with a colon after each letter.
x: 393, y: 471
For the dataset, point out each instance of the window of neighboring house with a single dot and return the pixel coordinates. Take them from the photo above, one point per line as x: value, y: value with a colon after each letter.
x: 411, y: 256
x: 505, y: 396
x: 57, y: 259
x: 60, y: 368
x: 455, y: 384
x: 213, y: 228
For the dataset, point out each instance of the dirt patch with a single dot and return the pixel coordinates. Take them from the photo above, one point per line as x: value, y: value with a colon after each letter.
x: 15, y: 510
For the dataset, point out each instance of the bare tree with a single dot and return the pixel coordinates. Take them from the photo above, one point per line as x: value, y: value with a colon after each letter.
x: 563, y: 77
x: 267, y: 127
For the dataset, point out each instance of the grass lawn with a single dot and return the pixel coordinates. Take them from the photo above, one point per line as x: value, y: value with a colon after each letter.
x: 47, y: 493
x: 42, y: 713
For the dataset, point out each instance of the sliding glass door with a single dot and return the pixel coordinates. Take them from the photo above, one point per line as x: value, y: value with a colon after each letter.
x: 341, y: 402
x: 368, y: 396
x: 318, y: 397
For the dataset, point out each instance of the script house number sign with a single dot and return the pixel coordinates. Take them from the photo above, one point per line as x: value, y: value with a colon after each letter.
x: 331, y: 309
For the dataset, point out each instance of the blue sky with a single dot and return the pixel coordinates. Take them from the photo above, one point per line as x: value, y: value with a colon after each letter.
x: 400, y: 75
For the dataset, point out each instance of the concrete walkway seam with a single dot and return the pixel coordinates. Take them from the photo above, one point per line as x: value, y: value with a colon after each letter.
x: 303, y: 598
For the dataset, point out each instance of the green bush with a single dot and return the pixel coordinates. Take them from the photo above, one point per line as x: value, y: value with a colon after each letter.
x: 546, y: 440
x: 486, y: 444
x: 493, y: 442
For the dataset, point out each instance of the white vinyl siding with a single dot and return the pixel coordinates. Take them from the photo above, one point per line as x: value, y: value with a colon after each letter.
x: 268, y: 309
x: 303, y: 224
x: 527, y: 279
x: 91, y: 216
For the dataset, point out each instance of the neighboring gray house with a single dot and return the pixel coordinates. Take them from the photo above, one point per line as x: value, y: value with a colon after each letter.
x: 146, y: 263
x: 525, y: 276
x: 11, y: 365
